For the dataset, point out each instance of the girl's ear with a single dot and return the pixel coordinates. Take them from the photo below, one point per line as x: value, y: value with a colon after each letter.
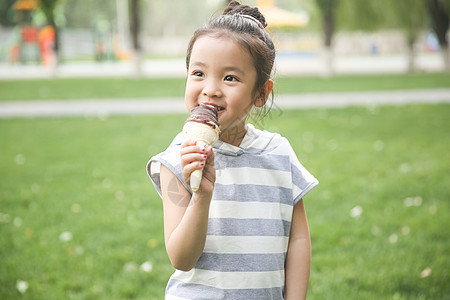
x: 264, y: 93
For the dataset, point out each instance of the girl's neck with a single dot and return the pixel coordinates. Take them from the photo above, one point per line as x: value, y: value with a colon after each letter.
x: 234, y: 136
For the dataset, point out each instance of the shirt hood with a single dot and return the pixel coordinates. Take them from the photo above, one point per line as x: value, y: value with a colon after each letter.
x: 255, y: 141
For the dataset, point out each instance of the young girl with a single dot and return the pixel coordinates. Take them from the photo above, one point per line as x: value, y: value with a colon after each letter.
x: 244, y: 233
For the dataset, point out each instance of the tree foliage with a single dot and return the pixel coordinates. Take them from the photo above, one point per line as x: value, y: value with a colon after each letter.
x: 439, y: 12
x: 85, y: 15
x: 368, y: 15
x: 6, y: 12
x: 48, y: 7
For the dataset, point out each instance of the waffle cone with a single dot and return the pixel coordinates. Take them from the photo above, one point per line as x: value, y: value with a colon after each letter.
x: 204, y: 135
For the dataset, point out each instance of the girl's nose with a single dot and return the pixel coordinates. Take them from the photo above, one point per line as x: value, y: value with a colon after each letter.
x: 212, y: 89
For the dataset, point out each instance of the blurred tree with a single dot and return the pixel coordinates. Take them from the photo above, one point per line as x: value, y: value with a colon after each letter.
x: 48, y: 8
x: 135, y: 24
x: 407, y: 15
x: 327, y: 9
x: 177, y: 18
x: 363, y: 15
x: 82, y: 14
x: 6, y: 12
x: 135, y: 29
x: 439, y: 11
x: 412, y: 18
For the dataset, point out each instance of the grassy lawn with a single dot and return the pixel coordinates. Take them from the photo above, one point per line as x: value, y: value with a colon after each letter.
x: 79, y: 219
x: 101, y: 88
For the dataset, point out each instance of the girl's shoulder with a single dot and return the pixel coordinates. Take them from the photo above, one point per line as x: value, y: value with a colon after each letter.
x: 267, y: 141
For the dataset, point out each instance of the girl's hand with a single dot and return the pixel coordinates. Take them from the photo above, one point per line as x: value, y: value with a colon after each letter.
x: 193, y: 158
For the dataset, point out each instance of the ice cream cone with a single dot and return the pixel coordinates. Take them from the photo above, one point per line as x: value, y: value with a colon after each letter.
x: 204, y: 135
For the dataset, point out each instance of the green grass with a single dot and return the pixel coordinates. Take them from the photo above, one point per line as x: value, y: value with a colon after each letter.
x: 87, y: 177
x: 88, y: 88
x: 101, y: 88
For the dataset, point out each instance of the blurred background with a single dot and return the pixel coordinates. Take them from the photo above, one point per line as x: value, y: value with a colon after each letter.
x: 312, y: 36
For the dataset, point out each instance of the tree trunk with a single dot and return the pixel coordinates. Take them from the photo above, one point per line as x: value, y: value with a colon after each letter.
x: 328, y: 62
x: 440, y: 23
x: 328, y: 27
x: 135, y: 28
x: 328, y: 9
x: 445, y: 52
x: 56, y: 47
x: 411, y: 58
x: 411, y: 41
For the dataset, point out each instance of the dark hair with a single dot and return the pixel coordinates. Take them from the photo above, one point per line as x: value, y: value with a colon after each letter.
x: 248, y: 32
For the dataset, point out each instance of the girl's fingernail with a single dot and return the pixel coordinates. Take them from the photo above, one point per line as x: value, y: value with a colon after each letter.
x: 202, y: 164
x: 205, y: 156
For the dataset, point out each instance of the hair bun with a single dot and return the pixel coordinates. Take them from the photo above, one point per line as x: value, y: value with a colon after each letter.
x: 235, y: 7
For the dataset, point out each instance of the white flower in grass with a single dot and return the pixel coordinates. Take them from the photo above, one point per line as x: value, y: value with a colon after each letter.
x: 130, y: 266
x: 413, y: 201
x: 433, y: 209
x: 405, y: 168
x: 17, y: 222
x: 378, y: 145
x: 76, y: 208
x: 79, y: 250
x: 405, y: 230
x: 408, y: 202
x: 22, y: 286
x: 425, y: 273
x: 20, y: 159
x: 356, y: 211
x: 5, y: 218
x: 376, y: 230
x: 120, y: 195
x: 393, y: 238
x: 417, y: 201
x: 65, y: 236
x: 106, y: 183
x: 147, y: 267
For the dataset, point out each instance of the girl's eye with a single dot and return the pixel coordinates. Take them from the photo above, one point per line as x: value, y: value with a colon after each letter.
x: 198, y: 73
x: 230, y: 78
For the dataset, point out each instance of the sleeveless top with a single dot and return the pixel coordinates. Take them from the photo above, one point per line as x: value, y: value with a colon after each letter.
x: 257, y: 185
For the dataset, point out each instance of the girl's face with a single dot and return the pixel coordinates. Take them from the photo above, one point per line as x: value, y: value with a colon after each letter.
x: 221, y: 73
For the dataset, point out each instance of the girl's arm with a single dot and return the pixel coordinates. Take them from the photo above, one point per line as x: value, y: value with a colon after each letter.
x: 186, y: 216
x: 298, y: 261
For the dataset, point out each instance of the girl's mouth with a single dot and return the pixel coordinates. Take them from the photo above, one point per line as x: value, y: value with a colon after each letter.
x: 218, y: 108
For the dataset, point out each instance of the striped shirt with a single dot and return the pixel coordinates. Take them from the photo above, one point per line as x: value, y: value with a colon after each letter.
x: 257, y: 185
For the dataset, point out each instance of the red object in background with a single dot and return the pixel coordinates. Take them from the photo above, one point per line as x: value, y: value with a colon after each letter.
x: 46, y: 41
x: 30, y: 34
x: 15, y: 54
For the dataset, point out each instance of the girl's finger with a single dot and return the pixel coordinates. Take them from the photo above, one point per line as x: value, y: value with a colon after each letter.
x: 189, y: 168
x: 188, y: 143
x: 192, y: 157
x: 192, y: 149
